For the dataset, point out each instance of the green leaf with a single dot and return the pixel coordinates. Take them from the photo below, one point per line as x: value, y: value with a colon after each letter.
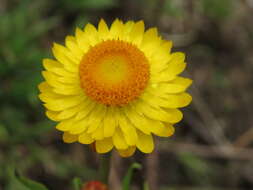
x: 145, y: 186
x: 76, y: 183
x: 33, y: 185
x: 22, y: 183
x: 128, y: 177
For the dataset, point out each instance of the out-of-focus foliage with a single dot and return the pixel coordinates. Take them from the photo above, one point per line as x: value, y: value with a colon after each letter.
x: 217, y: 36
x: 22, y: 183
x: 173, y: 8
x: 218, y: 9
x: 126, y: 185
x: 89, y: 4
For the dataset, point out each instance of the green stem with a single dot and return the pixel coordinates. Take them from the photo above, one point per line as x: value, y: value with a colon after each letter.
x: 104, y: 167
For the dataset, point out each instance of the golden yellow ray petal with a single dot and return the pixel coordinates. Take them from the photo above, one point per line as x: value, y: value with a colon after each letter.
x: 57, y: 102
x: 89, y: 106
x: 92, y: 34
x: 52, y: 115
x: 161, y: 129
x: 156, y: 113
x: 85, y: 138
x: 104, y: 146
x: 167, y: 101
x: 116, y: 29
x: 57, y: 68
x: 137, y: 120
x: 145, y: 142
x: 98, y: 134
x: 119, y: 139
x: 137, y: 32
x: 79, y: 126
x: 72, y: 45
x: 96, y: 117
x: 70, y: 112
x: 60, y: 53
x: 65, y: 125
x: 68, y: 138
x: 109, y: 122
x: 127, y: 152
x: 103, y: 30
x: 128, y: 129
x: 82, y: 40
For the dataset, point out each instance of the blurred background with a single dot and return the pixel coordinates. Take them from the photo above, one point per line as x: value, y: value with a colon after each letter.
x: 212, y: 148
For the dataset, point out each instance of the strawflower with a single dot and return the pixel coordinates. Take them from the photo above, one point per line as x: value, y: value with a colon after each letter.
x: 115, y: 87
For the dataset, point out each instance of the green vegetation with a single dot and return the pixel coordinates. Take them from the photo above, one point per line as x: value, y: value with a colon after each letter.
x: 217, y: 36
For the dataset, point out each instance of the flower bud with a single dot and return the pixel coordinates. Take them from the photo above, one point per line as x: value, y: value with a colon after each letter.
x: 94, y: 185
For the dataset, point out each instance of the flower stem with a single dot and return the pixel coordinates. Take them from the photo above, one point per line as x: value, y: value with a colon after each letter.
x: 104, y: 167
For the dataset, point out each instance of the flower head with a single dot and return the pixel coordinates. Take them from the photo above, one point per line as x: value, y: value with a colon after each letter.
x: 94, y: 185
x: 115, y: 87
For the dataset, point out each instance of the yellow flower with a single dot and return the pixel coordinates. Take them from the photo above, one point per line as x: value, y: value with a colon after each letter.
x: 115, y: 87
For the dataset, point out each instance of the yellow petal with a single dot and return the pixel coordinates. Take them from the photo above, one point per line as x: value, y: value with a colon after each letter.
x: 161, y: 129
x: 156, y: 113
x: 161, y: 77
x: 127, y: 152
x: 137, y: 32
x: 50, y: 64
x: 50, y: 78
x: 171, y: 88
x: 65, y: 125
x: 104, y: 146
x: 145, y: 143
x: 61, y: 88
x: 96, y: 117
x: 176, y: 65
x: 137, y: 120
x: 116, y: 29
x: 72, y: 45
x: 79, y: 126
x: 56, y: 80
x: 175, y: 115
x: 69, y: 112
x: 60, y: 53
x: 127, y: 27
x: 85, y: 138
x: 59, y: 103
x: 65, y: 90
x: 57, y: 68
x: 119, y: 139
x: 82, y: 40
x: 185, y: 82
x: 166, y: 46
x: 128, y: 129
x: 73, y: 80
x: 52, y: 115
x: 48, y: 96
x: 150, y: 42
x: 92, y: 34
x: 109, y: 122
x: 68, y: 138
x: 88, y: 107
x: 44, y: 87
x: 161, y: 54
x: 167, y: 101
x: 98, y: 134
x: 150, y: 36
x: 103, y: 30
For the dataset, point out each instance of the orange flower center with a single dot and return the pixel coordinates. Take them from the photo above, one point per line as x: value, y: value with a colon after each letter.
x: 114, y: 72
